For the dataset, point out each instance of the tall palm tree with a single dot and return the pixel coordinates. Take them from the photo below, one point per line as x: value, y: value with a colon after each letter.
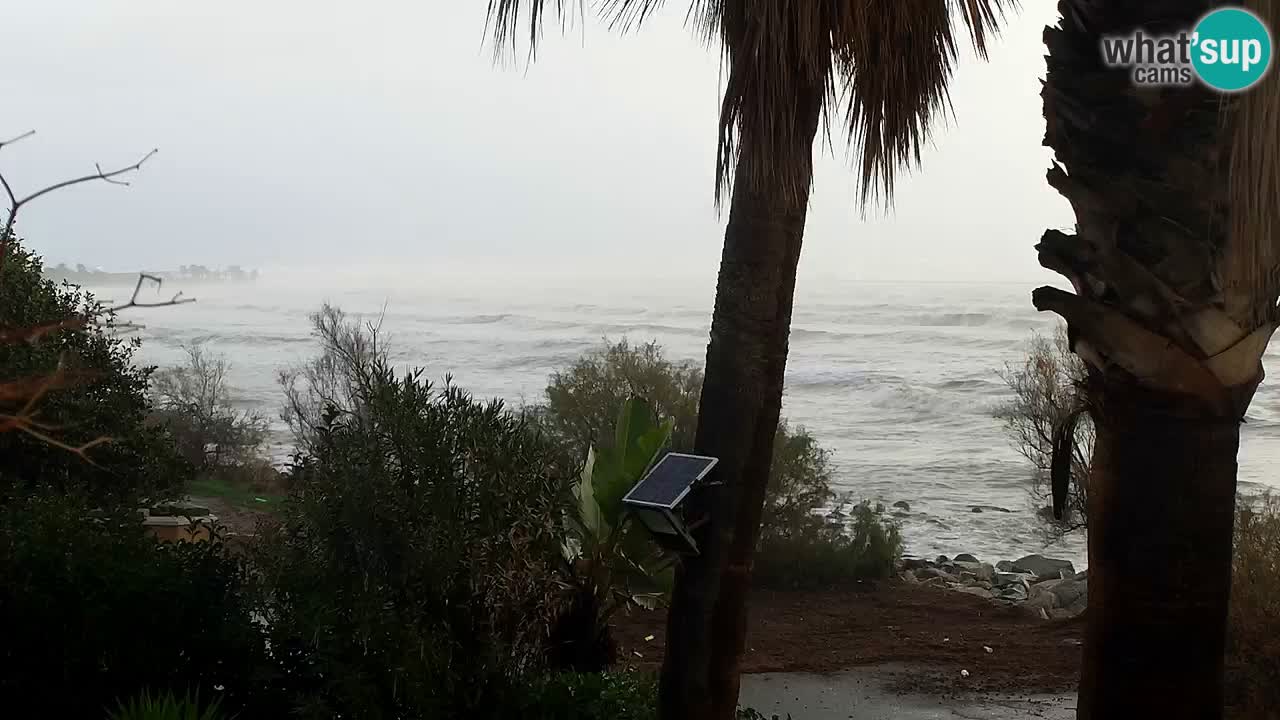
x: 1176, y: 269
x: 874, y: 70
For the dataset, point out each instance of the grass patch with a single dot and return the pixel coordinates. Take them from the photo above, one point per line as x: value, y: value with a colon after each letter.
x: 1253, y: 654
x: 235, y: 494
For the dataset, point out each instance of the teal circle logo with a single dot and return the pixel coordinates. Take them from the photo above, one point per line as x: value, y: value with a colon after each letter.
x: 1231, y: 49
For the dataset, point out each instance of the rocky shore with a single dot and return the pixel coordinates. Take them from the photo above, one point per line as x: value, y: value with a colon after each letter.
x: 1045, y: 587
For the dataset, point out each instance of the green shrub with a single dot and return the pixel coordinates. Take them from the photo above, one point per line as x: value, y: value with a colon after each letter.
x: 1253, y: 655
x: 596, y: 696
x: 108, y: 398
x: 610, y: 562
x: 413, y: 568
x: 583, y: 399
x: 166, y: 706
x: 93, y: 611
x: 836, y: 554
x: 588, y: 696
x: 194, y: 401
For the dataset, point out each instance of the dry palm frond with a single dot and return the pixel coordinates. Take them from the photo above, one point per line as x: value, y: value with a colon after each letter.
x: 1250, y: 267
x: 882, y: 67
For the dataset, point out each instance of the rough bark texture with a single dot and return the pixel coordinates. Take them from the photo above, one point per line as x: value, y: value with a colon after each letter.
x: 738, y: 416
x: 1173, y: 366
x: 1161, y: 508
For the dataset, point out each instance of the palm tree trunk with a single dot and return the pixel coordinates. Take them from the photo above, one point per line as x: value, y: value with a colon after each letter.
x: 737, y: 419
x: 1161, y: 507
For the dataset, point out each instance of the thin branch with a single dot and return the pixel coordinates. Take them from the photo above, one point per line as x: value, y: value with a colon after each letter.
x: 13, y: 140
x: 16, y: 204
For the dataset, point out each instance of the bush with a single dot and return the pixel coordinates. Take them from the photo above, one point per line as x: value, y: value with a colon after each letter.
x: 194, y: 401
x: 93, y: 612
x: 333, y: 381
x: 166, y: 706
x: 582, y: 401
x: 107, y: 397
x: 413, y: 568
x: 589, y: 696
x: 832, y: 555
x: 1253, y: 655
x: 1049, y: 389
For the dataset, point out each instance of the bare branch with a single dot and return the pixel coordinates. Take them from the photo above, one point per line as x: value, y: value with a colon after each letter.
x: 15, y: 204
x: 177, y: 299
x: 13, y: 140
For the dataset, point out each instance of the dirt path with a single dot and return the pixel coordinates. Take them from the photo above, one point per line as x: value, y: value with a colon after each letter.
x: 932, y: 634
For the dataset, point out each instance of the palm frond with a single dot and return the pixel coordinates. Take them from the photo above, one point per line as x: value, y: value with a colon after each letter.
x: 882, y: 65
x: 1250, y: 266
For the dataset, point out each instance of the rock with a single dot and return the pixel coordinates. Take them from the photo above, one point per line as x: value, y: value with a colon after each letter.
x: 915, y: 563
x: 1070, y: 592
x: 1005, y: 566
x: 935, y: 582
x: 942, y: 559
x: 984, y: 585
x: 986, y: 572
x: 1082, y: 575
x: 980, y: 571
x: 1009, y: 578
x: 966, y: 557
x: 909, y: 577
x: 903, y: 504
x: 1040, y: 598
x: 1043, y: 567
x: 926, y: 573
x: 988, y: 508
x: 1016, y: 592
x: 976, y: 592
x: 1061, y: 614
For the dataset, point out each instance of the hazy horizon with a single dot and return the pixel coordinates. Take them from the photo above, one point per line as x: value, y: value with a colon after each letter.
x: 325, y: 136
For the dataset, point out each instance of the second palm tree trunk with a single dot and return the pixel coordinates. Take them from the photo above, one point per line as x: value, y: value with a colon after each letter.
x: 737, y: 419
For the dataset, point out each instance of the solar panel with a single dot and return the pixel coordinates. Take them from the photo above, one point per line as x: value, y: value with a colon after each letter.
x: 666, y: 484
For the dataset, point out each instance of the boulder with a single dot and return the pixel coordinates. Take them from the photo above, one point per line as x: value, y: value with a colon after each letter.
x: 1070, y: 592
x: 988, y: 508
x: 1009, y: 578
x: 926, y: 573
x: 909, y: 577
x: 966, y: 557
x: 1005, y: 566
x: 1043, y: 567
x: 1016, y: 592
x: 903, y: 504
x: 942, y: 559
x: 936, y: 582
x: 1039, y: 597
x: 915, y: 563
x: 976, y: 592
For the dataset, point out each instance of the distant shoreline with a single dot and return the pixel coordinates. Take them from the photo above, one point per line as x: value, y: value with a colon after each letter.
x: 188, y: 274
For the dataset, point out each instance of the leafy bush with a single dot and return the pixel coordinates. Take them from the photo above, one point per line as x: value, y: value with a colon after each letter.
x: 194, y: 401
x: 413, y: 568
x: 93, y: 611
x: 834, y: 555
x: 1253, y: 655
x: 166, y: 706
x: 104, y: 396
x: 1049, y: 394
x: 610, y: 563
x: 588, y: 696
x: 333, y: 381
x: 582, y: 400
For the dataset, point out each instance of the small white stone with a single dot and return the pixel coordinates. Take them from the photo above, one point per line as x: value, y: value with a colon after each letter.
x: 989, y: 650
x: 964, y: 673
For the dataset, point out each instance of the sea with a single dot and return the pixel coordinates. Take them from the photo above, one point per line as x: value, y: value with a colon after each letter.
x: 900, y: 381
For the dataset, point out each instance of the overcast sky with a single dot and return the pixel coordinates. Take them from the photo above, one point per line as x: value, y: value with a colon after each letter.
x: 319, y: 133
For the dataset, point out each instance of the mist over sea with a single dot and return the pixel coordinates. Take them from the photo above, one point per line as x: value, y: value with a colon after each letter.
x: 899, y: 380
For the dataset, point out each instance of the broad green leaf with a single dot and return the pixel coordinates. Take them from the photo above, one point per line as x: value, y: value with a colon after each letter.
x: 594, y: 526
x: 638, y: 440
